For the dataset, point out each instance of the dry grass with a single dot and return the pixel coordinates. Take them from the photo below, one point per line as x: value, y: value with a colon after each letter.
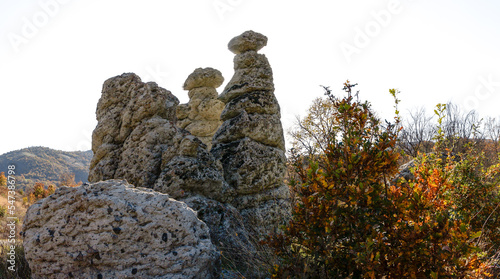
x: 256, y: 262
x: 249, y: 264
x: 21, y: 270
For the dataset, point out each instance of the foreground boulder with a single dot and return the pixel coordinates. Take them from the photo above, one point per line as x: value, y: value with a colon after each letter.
x: 250, y: 143
x: 113, y: 230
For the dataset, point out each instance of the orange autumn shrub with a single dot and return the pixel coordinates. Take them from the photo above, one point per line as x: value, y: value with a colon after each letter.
x: 39, y: 192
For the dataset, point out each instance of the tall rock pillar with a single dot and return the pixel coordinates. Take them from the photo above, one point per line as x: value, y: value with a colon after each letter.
x: 250, y: 143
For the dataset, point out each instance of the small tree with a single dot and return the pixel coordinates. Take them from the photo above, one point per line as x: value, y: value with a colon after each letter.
x: 68, y: 179
x: 310, y: 135
x: 417, y: 132
x: 459, y: 128
x: 3, y: 179
x: 40, y: 192
x: 340, y: 206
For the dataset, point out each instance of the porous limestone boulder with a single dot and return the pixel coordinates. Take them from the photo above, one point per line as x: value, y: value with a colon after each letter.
x: 201, y: 116
x: 125, y: 102
x: 111, y: 229
x: 250, y: 143
x: 204, y: 77
x: 136, y: 139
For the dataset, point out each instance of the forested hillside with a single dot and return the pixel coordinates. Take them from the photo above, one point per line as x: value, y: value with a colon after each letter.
x: 42, y: 164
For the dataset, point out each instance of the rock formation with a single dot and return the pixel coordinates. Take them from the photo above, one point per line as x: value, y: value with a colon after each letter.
x: 201, y: 116
x: 405, y: 171
x: 111, y: 229
x: 250, y: 142
x: 136, y: 139
x: 153, y: 153
x: 119, y: 231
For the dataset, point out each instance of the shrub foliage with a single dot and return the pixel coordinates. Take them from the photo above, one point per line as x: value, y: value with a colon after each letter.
x: 353, y: 217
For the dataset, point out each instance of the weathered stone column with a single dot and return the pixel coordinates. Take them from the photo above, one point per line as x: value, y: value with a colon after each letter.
x: 250, y: 142
x: 201, y: 116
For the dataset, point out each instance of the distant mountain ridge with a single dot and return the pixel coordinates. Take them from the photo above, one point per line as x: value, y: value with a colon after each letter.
x: 43, y: 164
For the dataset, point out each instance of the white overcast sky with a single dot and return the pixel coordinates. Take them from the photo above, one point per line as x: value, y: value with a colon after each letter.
x: 55, y: 55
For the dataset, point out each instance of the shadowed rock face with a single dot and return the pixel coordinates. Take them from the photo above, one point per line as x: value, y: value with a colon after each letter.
x: 250, y: 143
x: 201, y: 116
x: 116, y: 230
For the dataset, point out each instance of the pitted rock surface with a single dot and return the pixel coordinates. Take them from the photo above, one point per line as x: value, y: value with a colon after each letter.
x: 201, y: 116
x: 251, y: 167
x: 250, y: 143
x: 263, y: 128
x: 113, y: 230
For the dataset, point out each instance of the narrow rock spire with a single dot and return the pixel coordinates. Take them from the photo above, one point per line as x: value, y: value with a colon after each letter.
x: 250, y: 142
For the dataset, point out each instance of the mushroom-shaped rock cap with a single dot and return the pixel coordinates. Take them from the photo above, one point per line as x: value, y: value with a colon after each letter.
x: 249, y: 40
x: 204, y: 77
